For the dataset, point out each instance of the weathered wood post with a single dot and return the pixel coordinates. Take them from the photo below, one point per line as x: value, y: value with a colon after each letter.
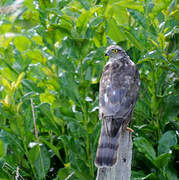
x: 122, y: 170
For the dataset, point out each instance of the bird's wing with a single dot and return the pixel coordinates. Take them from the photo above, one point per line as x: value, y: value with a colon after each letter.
x: 119, y: 89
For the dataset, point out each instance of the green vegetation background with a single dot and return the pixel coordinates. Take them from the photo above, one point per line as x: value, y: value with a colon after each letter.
x: 51, y: 59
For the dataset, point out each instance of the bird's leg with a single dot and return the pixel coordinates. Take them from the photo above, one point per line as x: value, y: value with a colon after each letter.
x: 129, y: 129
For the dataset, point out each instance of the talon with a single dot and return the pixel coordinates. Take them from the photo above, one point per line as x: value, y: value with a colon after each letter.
x: 129, y: 129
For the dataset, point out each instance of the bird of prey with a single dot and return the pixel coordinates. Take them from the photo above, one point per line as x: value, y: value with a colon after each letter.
x: 118, y: 93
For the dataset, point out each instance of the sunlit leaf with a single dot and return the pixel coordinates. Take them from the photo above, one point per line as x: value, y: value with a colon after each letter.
x: 114, y: 32
x: 22, y: 43
x: 84, y: 18
x: 36, y: 56
x: 2, y: 150
x: 19, y: 79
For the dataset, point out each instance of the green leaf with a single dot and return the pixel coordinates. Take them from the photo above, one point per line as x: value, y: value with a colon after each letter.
x: 63, y: 173
x: 114, y: 32
x: 88, y: 74
x: 85, y: 4
x: 34, y: 153
x: 22, y: 43
x: 47, y: 97
x: 172, y: 5
x: 84, y: 18
x: 113, y: 11
x: 42, y: 163
x: 130, y: 4
x: 162, y: 160
x: 167, y: 140
x: 171, y: 173
x: 19, y: 79
x: 66, y: 81
x: 138, y: 16
x: 137, y: 174
x: 151, y: 176
x: 77, y: 129
x: 129, y: 34
x: 36, y: 56
x: 52, y: 147
x: 144, y: 146
x: 2, y: 150
x: 8, y: 137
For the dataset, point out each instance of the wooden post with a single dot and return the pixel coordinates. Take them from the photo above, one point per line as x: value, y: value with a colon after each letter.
x: 122, y: 170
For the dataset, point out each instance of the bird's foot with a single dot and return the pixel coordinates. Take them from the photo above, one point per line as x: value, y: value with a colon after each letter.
x: 129, y: 129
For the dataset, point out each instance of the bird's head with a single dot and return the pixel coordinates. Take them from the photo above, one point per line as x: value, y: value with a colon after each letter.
x: 115, y: 52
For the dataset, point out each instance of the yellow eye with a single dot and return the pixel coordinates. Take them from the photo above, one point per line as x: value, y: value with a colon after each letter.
x: 115, y: 50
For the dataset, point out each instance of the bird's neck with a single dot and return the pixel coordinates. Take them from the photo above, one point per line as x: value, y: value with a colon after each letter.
x: 111, y: 60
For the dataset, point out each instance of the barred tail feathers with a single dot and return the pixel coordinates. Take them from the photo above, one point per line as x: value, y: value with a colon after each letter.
x: 106, y: 155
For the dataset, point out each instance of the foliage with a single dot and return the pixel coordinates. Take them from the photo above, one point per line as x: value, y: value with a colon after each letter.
x: 51, y: 59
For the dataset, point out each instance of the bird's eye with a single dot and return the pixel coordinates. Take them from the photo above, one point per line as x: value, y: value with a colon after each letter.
x: 115, y: 50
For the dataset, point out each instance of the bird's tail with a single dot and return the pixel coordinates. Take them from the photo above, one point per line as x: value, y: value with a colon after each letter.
x: 106, y: 155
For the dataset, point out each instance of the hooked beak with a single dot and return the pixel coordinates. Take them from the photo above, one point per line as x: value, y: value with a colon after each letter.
x: 106, y: 54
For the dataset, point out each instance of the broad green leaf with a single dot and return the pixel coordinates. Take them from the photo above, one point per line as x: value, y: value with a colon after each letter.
x: 85, y: 4
x: 37, y: 39
x: 160, y: 5
x: 138, y: 16
x: 144, y: 146
x: 46, y: 118
x: 8, y: 137
x: 162, y: 160
x: 29, y: 4
x: 167, y: 140
x: 22, y: 43
x: 84, y: 18
x: 47, y: 97
x: 63, y: 173
x: 114, y: 32
x: 4, y: 28
x: 171, y: 173
x: 52, y: 147
x: 76, y: 129
x: 113, y: 11
x: 129, y: 34
x: 66, y: 81
x: 42, y: 163
x: 137, y: 174
x: 34, y: 152
x: 137, y: 5
x: 88, y: 74
x: 36, y: 56
x: 5, y: 41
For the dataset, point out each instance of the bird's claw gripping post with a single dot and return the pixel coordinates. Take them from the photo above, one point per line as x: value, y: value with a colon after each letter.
x: 129, y: 129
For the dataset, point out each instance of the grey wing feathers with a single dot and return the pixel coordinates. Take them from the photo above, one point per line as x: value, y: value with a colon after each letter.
x: 118, y: 91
